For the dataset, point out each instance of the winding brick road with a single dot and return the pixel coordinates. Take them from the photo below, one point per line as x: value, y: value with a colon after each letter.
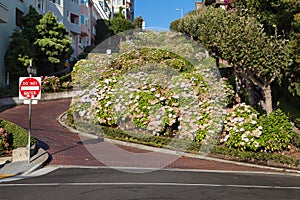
x: 66, y: 147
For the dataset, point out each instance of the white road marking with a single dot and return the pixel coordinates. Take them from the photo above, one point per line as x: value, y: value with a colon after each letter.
x: 151, y: 184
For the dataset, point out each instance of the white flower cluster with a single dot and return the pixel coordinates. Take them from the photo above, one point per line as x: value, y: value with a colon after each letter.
x: 241, y: 126
x: 153, y: 102
x: 158, y: 98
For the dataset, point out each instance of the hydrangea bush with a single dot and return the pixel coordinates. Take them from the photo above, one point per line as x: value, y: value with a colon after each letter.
x: 156, y: 91
x: 4, y: 141
x: 156, y: 85
x: 54, y: 84
x: 247, y: 130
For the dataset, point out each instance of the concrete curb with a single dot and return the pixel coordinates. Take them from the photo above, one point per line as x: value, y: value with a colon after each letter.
x: 173, y: 152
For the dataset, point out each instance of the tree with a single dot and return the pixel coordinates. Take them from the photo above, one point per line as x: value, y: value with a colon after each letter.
x: 120, y: 24
x: 102, y: 30
x: 241, y: 41
x: 53, y: 45
x: 21, y: 49
x: 16, y: 59
x: 282, y: 16
x: 206, y: 27
x: 174, y: 25
x: 138, y: 22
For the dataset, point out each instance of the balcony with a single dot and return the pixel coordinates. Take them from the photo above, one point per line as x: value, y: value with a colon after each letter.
x: 72, y: 7
x: 84, y: 30
x: 72, y: 23
x: 57, y: 9
x: 3, y: 12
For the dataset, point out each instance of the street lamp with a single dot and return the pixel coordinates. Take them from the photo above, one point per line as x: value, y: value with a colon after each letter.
x: 181, y: 11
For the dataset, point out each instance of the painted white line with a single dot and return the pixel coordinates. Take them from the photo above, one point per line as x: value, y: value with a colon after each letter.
x: 151, y: 184
x: 175, y: 170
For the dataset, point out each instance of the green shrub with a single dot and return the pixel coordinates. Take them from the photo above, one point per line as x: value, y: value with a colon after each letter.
x: 248, y: 132
x: 256, y: 157
x: 277, y: 131
x: 296, y: 140
x: 66, y: 78
x: 19, y: 135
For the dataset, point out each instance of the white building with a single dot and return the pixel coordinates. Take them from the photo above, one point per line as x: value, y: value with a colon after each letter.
x: 10, y: 13
x: 127, y: 5
x: 78, y: 16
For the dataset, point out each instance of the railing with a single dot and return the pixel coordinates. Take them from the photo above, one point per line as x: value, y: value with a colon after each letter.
x: 101, y: 11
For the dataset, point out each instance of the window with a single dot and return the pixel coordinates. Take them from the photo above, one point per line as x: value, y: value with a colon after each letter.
x: 82, y: 2
x: 94, y: 30
x: 40, y: 4
x: 56, y: 1
x: 119, y: 2
x: 6, y: 78
x: 81, y: 19
x: 74, y: 19
x: 19, y: 15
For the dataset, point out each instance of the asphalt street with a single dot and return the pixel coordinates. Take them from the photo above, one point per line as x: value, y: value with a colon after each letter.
x: 101, y: 183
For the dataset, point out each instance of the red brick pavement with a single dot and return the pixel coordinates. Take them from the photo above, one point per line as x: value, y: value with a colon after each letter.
x: 66, y: 148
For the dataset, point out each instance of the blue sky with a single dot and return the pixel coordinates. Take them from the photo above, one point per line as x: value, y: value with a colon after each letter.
x: 160, y: 13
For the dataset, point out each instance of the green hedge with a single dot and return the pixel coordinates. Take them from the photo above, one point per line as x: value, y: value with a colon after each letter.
x: 256, y: 157
x: 20, y: 135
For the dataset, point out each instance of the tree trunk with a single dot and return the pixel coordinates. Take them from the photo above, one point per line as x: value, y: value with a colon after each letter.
x: 251, y: 93
x: 268, y: 99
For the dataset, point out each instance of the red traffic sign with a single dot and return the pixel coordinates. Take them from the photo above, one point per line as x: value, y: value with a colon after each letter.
x: 30, y: 88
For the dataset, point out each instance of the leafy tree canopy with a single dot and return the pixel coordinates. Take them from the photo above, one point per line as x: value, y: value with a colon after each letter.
x: 241, y: 41
x: 53, y: 43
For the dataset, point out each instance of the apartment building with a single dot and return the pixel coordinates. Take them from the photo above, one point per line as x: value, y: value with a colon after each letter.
x: 203, y: 3
x: 68, y: 13
x: 91, y: 11
x: 78, y: 16
x: 126, y: 5
x: 10, y: 13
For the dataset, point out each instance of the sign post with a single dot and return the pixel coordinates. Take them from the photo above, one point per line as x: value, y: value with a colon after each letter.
x: 30, y: 92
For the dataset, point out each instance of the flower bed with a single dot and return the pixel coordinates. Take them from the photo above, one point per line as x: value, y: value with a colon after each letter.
x: 153, y: 91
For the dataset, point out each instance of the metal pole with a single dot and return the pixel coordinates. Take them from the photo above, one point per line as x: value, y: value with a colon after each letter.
x: 181, y: 12
x: 29, y: 120
x: 29, y: 129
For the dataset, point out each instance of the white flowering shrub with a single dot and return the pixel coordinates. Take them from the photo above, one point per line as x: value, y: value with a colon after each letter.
x: 246, y: 130
x: 154, y: 98
x: 242, y: 129
x: 157, y: 84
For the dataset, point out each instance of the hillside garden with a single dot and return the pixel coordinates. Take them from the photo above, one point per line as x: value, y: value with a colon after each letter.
x: 162, y: 89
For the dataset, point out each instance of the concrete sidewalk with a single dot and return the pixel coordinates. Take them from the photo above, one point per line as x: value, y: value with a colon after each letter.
x: 10, y: 169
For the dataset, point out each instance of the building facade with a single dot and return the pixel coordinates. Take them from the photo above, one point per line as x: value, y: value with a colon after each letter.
x: 78, y: 16
x: 10, y: 13
x: 127, y: 7
x: 202, y: 4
